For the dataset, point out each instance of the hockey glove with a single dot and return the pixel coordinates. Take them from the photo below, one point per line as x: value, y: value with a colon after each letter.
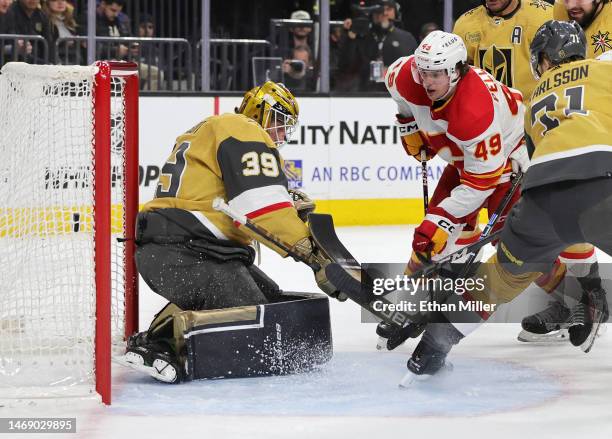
x: 520, y: 159
x: 303, y: 203
x: 432, y: 234
x: 411, y: 138
x: 318, y: 261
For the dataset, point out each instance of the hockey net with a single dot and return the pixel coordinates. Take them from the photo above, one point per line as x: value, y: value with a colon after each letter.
x: 68, y: 190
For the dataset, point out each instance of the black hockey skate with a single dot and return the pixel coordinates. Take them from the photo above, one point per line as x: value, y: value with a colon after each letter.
x: 429, y: 357
x: 547, y: 326
x: 390, y: 337
x: 154, y: 358
x: 586, y: 318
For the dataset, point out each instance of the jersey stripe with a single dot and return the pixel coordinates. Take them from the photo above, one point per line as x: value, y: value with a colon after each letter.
x: 208, y: 224
x: 570, y: 153
x: 482, y: 182
x: 268, y: 209
x: 259, y: 198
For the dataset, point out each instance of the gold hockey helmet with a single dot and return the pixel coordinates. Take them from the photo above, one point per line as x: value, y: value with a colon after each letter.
x: 274, y: 107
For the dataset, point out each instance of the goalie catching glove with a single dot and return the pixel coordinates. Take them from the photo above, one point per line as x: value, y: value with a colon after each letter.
x: 317, y: 260
x: 411, y: 137
x: 303, y: 203
x: 432, y: 234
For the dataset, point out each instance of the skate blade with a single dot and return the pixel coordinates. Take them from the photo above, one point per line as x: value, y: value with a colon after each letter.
x: 560, y: 336
x: 588, y: 343
x: 158, y: 371
x: 410, y: 379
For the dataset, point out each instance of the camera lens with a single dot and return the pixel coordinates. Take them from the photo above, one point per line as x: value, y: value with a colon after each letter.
x: 297, y: 66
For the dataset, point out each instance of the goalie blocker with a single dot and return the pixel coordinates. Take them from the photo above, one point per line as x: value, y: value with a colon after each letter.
x: 291, y: 335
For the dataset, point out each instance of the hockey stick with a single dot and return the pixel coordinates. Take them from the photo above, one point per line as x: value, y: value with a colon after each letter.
x: 472, y: 250
x: 494, y: 219
x: 350, y: 286
x: 220, y: 205
x: 425, y: 183
x: 425, y: 180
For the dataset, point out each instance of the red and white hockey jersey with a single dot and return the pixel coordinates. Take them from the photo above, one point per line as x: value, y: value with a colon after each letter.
x: 475, y: 130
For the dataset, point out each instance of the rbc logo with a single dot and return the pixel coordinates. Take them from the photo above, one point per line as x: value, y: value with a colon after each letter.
x: 293, y: 171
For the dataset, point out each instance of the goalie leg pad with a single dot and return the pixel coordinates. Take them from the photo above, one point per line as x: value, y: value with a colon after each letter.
x: 270, y: 339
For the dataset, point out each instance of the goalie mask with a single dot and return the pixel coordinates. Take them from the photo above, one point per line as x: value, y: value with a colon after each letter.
x: 440, y: 51
x: 274, y: 107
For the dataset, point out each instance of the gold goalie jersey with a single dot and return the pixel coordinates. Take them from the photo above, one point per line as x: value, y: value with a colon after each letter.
x: 500, y: 45
x: 568, y: 124
x: 598, y: 33
x: 229, y: 156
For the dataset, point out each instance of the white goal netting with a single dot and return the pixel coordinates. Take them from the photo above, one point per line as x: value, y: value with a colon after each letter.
x: 47, y: 251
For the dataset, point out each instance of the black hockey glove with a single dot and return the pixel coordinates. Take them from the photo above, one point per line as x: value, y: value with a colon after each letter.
x: 303, y: 203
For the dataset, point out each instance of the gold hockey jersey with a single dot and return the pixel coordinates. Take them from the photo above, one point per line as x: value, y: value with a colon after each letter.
x: 232, y: 157
x: 568, y: 124
x: 598, y: 33
x: 500, y: 45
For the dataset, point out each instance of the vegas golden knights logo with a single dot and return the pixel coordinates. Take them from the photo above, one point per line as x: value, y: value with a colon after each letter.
x: 498, y: 62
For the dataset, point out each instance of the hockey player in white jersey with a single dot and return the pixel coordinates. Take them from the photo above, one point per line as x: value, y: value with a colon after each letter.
x: 469, y: 119
x: 475, y: 123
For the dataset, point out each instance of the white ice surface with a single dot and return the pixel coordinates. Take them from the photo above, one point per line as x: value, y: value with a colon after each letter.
x: 500, y: 388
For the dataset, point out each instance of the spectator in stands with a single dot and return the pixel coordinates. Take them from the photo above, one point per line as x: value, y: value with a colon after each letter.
x: 146, y: 27
x: 391, y: 9
x: 370, y: 43
x: 427, y: 28
x: 6, y: 47
x: 300, y: 34
x: 63, y: 25
x: 335, y: 36
x: 4, y: 25
x: 298, y: 71
x: 26, y: 18
x: 109, y: 25
x: 147, y: 55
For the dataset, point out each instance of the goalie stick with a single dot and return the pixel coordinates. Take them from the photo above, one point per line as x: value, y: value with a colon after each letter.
x: 344, y: 269
x: 220, y: 205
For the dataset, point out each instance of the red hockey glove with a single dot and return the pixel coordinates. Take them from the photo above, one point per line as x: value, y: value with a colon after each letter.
x: 432, y: 234
x: 411, y: 137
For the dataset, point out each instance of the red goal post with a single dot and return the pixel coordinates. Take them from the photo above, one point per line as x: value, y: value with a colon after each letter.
x: 102, y: 217
x: 68, y: 286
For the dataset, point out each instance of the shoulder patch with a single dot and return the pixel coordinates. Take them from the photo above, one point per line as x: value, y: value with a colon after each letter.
x: 471, y: 11
x: 540, y: 4
x: 601, y: 42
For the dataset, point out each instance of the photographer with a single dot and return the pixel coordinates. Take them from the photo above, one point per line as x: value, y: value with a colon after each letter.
x: 369, y: 44
x: 298, y: 71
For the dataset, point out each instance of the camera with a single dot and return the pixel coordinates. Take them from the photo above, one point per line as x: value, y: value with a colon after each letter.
x: 362, y: 20
x: 297, y: 65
